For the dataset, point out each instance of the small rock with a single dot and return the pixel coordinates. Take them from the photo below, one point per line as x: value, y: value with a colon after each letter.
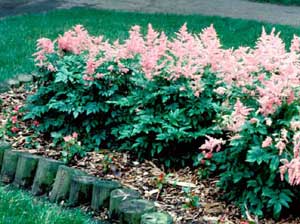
x: 135, y: 163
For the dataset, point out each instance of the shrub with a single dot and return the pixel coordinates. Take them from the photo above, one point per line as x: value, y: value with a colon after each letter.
x: 148, y: 94
x: 68, y: 100
x: 65, y: 102
x: 167, y: 119
x: 175, y: 106
x: 259, y: 167
x: 163, y: 98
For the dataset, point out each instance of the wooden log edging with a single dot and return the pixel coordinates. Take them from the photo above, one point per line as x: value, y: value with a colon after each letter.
x: 45, y: 175
x: 117, y: 196
x: 81, y: 190
x: 131, y: 211
x: 61, y: 187
x: 76, y: 187
x: 3, y: 147
x: 156, y: 217
x: 9, y: 166
x: 15, y: 82
x: 26, y: 169
x: 101, y: 193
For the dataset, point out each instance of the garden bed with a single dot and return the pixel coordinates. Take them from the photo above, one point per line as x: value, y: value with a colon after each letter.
x: 164, y: 186
x: 173, y: 103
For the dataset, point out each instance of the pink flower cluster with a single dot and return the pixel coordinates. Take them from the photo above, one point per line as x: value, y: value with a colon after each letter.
x: 292, y: 167
x: 211, y: 145
x: 184, y: 56
x: 45, y: 46
x: 268, y: 73
x: 70, y: 138
x: 75, y: 41
x: 187, y: 55
x: 238, y: 117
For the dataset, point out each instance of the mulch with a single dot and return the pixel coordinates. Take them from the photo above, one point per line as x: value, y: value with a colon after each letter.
x: 142, y: 176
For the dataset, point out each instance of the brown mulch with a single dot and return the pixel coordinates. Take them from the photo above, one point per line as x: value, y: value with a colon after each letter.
x: 142, y: 176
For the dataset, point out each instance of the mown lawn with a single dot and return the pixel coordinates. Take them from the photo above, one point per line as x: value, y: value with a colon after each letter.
x: 18, y: 34
x: 18, y: 207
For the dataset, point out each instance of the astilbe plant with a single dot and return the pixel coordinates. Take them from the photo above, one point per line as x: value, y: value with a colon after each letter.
x: 149, y: 94
x: 259, y: 167
x: 163, y: 98
x: 174, y: 106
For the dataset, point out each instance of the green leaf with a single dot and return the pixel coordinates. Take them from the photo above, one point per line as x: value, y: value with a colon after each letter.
x: 258, y: 155
x: 274, y: 163
x: 277, y: 210
x: 62, y: 76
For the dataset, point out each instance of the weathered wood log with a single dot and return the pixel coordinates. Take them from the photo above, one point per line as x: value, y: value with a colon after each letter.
x: 3, y: 147
x: 131, y: 211
x: 156, y: 218
x: 26, y: 168
x: 45, y: 175
x: 4, y: 87
x: 13, y: 83
x: 101, y: 193
x: 25, y: 78
x: 117, y: 196
x: 81, y: 190
x: 9, y: 166
x: 61, y: 188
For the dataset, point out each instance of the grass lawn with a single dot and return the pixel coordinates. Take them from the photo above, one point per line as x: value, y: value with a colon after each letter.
x: 18, y: 34
x: 18, y: 207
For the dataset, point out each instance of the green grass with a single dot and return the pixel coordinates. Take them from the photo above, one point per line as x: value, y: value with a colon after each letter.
x: 18, y: 34
x: 18, y: 207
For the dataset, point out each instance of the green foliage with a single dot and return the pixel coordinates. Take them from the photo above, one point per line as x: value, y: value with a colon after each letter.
x: 167, y: 120
x: 162, y: 117
x: 65, y: 103
x: 249, y: 173
x: 192, y: 200
x: 121, y: 107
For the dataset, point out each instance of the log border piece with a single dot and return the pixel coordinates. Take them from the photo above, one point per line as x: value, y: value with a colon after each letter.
x: 101, y: 193
x: 9, y: 166
x: 62, y: 184
x: 3, y: 147
x: 26, y: 169
x: 81, y: 190
x: 131, y: 211
x: 117, y: 196
x: 45, y: 175
x: 156, y: 217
